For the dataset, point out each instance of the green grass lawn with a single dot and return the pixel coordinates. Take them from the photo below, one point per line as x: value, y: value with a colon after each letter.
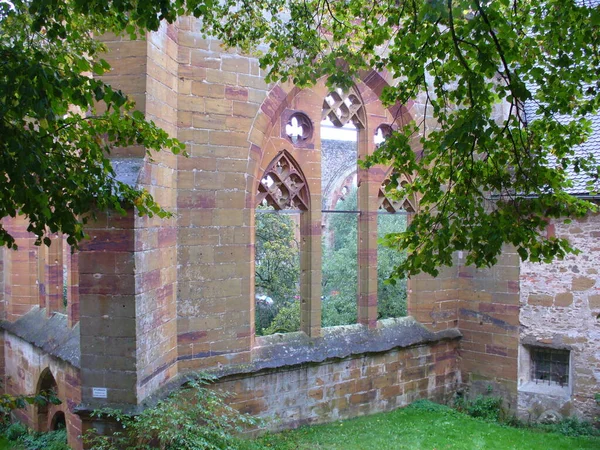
x: 420, y: 426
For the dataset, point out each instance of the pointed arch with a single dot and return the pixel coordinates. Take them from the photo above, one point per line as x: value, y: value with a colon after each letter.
x: 46, y: 383
x: 59, y: 421
x: 283, y: 185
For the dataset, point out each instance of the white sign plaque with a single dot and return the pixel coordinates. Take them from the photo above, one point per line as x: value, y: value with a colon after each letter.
x: 99, y: 392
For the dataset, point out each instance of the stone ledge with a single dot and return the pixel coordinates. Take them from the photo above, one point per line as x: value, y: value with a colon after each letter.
x: 51, y: 334
x: 281, y: 350
x: 545, y: 389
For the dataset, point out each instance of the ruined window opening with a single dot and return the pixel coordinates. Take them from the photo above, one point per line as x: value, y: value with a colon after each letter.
x: 391, y: 295
x: 67, y: 275
x: 58, y: 278
x: 70, y: 282
x: 550, y: 366
x: 393, y: 217
x: 282, y: 198
x: 339, y: 268
x: 342, y: 119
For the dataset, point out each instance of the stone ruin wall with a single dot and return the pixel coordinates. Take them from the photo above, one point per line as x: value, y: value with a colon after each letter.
x: 159, y: 300
x: 26, y: 366
x: 560, y: 308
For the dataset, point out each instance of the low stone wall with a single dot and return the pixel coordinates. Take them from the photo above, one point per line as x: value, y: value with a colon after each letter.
x: 348, y: 387
x: 351, y: 370
x: 27, y: 368
x: 292, y: 379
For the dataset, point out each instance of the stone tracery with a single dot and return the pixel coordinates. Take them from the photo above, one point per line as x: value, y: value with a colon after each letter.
x: 388, y: 200
x: 283, y: 185
x: 344, y: 107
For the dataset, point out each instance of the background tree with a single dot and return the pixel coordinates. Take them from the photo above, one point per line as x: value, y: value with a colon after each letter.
x: 277, y: 266
x: 340, y: 267
x: 483, y: 181
x: 391, y: 293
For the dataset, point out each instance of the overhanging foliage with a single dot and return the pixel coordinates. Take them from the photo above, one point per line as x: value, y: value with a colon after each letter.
x: 483, y: 180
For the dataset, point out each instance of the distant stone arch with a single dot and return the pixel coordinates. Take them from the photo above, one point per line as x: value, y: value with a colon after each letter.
x: 46, y: 383
x: 59, y: 421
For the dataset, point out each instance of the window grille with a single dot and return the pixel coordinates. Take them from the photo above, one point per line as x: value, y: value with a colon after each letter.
x: 550, y: 366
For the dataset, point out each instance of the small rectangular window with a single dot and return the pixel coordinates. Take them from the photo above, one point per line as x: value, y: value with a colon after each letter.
x: 550, y: 366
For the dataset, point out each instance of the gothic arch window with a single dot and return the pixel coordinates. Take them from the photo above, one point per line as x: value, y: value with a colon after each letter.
x: 282, y: 200
x: 316, y: 255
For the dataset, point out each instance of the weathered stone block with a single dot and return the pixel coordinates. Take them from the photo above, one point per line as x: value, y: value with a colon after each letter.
x: 583, y: 283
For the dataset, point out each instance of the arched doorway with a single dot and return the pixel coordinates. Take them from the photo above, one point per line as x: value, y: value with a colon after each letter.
x: 46, y: 384
x: 59, y: 421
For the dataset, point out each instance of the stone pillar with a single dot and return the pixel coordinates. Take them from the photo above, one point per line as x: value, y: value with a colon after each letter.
x: 311, y: 260
x: 108, y: 312
x: 20, y: 270
x: 369, y: 182
x: 434, y: 301
x: 155, y: 238
x: 218, y: 96
x: 489, y: 321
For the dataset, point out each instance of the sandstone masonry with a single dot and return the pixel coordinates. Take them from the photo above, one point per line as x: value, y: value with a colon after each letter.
x: 150, y: 302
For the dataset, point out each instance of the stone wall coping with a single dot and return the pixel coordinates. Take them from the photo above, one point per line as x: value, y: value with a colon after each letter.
x: 290, y: 349
x: 51, y: 334
x: 127, y: 170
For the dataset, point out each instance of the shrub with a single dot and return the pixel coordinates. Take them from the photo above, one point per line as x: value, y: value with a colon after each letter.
x: 483, y: 407
x: 52, y: 440
x: 15, y: 431
x: 490, y: 408
x: 573, y: 427
x: 429, y: 406
x: 31, y: 440
x: 191, y: 418
x: 9, y: 402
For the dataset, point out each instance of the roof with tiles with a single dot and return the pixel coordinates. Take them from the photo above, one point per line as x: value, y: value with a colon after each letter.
x: 590, y: 147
